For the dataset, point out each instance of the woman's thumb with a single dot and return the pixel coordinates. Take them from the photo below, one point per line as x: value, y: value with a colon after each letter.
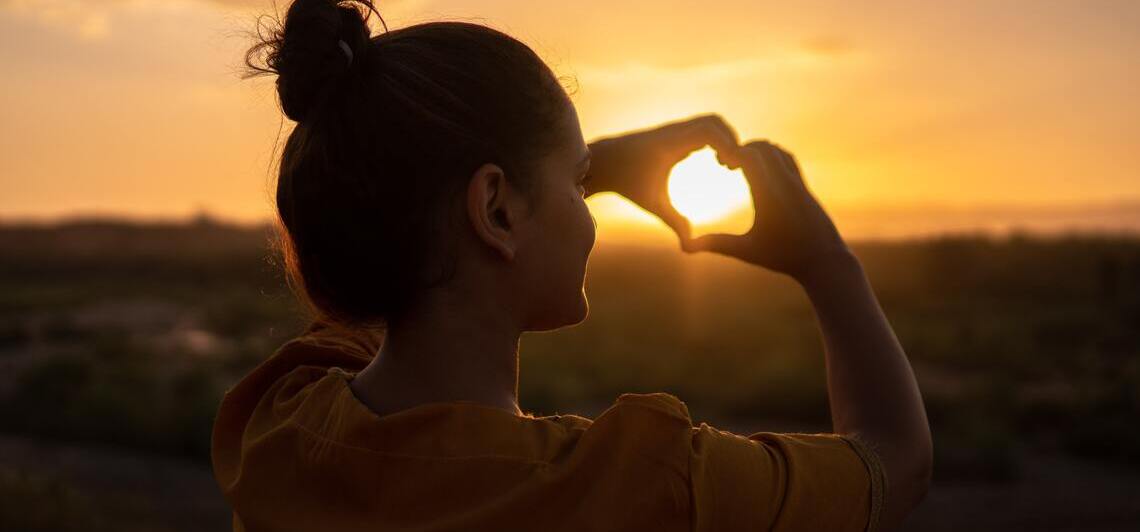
x: 677, y: 222
x: 716, y: 242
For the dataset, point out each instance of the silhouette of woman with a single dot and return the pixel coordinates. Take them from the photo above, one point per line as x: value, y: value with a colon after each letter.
x: 431, y: 200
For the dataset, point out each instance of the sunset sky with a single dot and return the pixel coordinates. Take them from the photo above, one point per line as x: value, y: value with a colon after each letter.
x: 907, y: 117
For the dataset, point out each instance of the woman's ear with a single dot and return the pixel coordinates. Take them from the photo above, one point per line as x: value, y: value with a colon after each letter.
x: 492, y: 213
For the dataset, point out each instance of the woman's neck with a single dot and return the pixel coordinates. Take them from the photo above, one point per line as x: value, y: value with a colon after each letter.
x: 448, y: 352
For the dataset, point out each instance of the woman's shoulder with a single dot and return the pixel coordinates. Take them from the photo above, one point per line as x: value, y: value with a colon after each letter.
x: 661, y: 402
x: 270, y: 394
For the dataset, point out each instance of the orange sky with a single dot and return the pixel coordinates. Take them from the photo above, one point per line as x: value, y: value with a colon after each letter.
x: 975, y: 113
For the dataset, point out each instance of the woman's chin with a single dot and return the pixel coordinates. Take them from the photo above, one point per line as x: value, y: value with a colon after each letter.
x: 583, y: 308
x: 573, y: 314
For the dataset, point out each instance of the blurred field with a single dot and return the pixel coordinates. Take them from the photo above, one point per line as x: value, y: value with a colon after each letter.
x: 117, y: 340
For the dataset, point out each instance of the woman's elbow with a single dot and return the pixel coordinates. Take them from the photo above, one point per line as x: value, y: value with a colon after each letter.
x: 917, y: 477
x: 924, y: 474
x: 910, y: 470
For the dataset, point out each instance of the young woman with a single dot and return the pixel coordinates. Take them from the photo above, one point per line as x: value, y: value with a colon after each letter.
x: 432, y: 204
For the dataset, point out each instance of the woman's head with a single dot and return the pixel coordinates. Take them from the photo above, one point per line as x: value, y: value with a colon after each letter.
x: 435, y: 158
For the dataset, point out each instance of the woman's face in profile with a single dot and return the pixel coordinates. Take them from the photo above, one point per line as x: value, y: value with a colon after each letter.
x: 554, y: 262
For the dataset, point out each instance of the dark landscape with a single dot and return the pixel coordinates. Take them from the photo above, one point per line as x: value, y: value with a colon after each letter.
x: 117, y: 341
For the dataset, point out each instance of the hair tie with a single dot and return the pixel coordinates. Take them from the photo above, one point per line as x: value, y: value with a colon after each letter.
x: 347, y: 50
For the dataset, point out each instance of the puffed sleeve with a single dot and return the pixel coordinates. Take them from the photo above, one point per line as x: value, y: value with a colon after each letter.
x: 783, y: 482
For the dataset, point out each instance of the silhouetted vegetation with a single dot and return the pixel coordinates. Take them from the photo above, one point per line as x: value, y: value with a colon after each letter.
x: 128, y: 334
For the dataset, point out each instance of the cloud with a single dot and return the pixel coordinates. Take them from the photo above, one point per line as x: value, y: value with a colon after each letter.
x: 92, y: 19
x: 89, y: 19
x: 779, y: 61
x: 260, y: 4
x: 828, y: 45
x: 654, y: 75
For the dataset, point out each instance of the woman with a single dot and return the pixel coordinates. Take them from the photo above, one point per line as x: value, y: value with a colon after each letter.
x: 432, y: 205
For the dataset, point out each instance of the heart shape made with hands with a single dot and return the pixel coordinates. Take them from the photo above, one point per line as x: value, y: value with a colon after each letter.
x: 714, y: 198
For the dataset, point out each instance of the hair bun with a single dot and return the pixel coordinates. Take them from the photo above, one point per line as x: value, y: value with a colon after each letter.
x: 306, y: 51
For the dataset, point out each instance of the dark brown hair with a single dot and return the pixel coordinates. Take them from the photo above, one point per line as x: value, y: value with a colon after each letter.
x: 385, y: 142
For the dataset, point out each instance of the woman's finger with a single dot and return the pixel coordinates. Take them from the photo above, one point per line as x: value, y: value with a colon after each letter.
x: 706, y: 130
x: 781, y: 162
x: 789, y: 162
x: 676, y: 221
x: 759, y: 182
x: 725, y: 244
x: 766, y: 168
x: 723, y: 140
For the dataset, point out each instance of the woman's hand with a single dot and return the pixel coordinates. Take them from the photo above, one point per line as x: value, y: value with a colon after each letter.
x: 790, y: 233
x: 637, y: 165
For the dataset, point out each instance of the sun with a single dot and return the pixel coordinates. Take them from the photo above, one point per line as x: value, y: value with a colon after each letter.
x: 707, y: 193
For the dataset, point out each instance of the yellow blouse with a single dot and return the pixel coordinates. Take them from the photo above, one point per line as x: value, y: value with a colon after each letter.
x: 293, y: 449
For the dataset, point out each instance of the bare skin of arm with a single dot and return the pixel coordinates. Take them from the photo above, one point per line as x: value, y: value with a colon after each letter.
x: 872, y: 390
x: 871, y: 387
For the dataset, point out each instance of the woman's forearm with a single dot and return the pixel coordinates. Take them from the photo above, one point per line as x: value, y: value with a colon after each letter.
x: 872, y: 389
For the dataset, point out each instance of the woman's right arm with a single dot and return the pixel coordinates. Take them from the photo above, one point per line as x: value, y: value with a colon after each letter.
x: 873, y: 394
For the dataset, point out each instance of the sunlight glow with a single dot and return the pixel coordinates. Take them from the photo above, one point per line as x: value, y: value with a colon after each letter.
x: 936, y: 141
x: 706, y: 192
